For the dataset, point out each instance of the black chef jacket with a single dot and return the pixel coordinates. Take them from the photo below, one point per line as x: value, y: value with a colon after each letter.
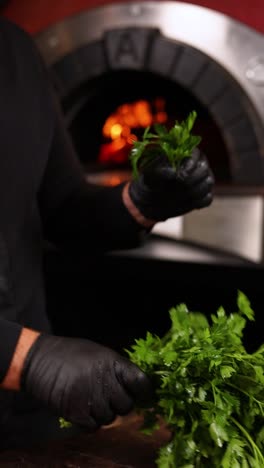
x: 43, y: 192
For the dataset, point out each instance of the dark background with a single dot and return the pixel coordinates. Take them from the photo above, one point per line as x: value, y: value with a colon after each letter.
x: 115, y: 299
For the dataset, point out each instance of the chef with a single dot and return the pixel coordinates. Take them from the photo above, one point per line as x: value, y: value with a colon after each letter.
x: 44, y: 196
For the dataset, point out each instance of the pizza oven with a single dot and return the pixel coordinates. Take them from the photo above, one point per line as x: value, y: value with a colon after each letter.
x: 121, y: 67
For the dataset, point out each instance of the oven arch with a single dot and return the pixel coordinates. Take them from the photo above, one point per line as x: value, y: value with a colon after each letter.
x: 161, y: 37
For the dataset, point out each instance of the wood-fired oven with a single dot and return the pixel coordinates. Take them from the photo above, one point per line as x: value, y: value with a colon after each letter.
x: 120, y: 67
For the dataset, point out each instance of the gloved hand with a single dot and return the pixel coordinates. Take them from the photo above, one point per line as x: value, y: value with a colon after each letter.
x: 82, y: 381
x: 161, y: 192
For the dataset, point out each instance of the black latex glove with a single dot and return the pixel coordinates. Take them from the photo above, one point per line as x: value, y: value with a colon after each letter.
x: 82, y: 381
x: 161, y: 192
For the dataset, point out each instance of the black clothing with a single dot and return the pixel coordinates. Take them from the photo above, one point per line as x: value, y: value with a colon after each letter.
x: 43, y: 193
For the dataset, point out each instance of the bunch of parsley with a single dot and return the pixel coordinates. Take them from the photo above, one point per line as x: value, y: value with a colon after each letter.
x: 209, y: 389
x: 175, y: 144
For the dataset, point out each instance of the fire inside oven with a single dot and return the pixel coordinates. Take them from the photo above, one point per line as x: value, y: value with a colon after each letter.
x: 110, y: 113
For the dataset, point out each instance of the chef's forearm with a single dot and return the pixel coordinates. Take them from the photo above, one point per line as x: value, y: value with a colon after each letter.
x: 12, y: 379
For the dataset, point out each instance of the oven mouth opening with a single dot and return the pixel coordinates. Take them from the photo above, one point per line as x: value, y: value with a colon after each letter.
x: 105, y: 115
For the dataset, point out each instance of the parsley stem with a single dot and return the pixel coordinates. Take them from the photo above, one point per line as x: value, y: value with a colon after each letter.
x: 213, y: 388
x: 257, y: 452
x: 251, y: 397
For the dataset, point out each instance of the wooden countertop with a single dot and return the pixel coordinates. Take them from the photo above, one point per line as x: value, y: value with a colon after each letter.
x: 120, y: 445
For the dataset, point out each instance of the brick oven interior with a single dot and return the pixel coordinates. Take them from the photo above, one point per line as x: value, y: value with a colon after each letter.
x: 107, y: 93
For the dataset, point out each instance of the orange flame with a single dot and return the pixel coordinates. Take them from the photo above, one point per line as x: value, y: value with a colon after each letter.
x: 120, y: 127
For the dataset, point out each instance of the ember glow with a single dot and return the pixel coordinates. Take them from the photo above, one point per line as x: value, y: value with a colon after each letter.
x: 126, y: 125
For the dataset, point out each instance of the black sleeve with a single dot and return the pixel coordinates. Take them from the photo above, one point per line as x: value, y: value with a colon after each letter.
x: 9, y: 334
x: 77, y: 212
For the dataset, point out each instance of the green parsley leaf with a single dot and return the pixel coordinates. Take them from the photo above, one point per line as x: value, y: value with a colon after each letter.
x: 175, y: 144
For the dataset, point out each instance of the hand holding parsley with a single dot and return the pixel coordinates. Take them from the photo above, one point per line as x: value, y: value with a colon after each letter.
x: 84, y: 382
x: 209, y: 390
x: 170, y: 174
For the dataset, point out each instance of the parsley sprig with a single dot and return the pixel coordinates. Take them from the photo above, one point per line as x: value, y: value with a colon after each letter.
x: 176, y: 144
x: 209, y: 389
